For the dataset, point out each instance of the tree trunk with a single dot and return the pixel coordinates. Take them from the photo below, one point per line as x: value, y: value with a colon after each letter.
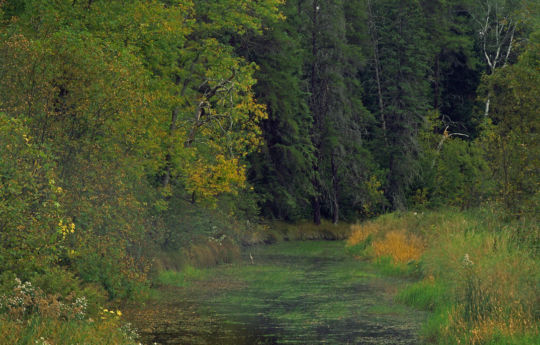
x: 437, y: 77
x: 375, y: 45
x: 316, y: 111
x: 335, y: 184
x: 316, y: 204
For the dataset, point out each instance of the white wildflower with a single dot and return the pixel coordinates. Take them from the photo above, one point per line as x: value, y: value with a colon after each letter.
x: 467, y: 261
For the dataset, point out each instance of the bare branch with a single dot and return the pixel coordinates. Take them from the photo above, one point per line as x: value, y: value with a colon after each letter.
x: 509, y: 45
x: 445, y: 136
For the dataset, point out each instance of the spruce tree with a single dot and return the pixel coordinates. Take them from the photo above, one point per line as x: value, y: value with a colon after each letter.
x: 400, y: 51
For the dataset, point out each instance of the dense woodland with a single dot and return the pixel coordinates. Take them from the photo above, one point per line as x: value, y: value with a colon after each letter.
x: 130, y: 128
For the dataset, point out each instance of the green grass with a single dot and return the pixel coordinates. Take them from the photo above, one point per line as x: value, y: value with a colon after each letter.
x: 360, y: 250
x: 180, y: 278
x: 386, y: 266
x: 425, y: 295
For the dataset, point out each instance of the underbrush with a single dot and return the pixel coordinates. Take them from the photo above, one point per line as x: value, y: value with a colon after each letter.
x: 47, y: 331
x: 479, y: 273
x: 28, y: 315
x: 304, y: 231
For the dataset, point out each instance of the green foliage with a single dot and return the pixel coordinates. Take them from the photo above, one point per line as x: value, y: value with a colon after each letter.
x: 43, y: 331
x: 314, y: 159
x: 31, y: 204
x: 180, y: 278
x: 129, y: 127
x: 360, y: 249
x: 511, y: 135
x: 281, y: 171
x: 454, y: 170
x: 387, y: 266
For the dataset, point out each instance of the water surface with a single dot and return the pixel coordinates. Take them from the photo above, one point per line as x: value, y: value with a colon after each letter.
x: 292, y: 293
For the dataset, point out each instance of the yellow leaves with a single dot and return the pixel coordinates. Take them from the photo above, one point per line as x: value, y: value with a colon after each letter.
x: 223, y: 125
x: 209, y: 180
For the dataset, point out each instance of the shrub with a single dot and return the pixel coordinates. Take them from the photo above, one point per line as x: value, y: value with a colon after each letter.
x: 26, y: 300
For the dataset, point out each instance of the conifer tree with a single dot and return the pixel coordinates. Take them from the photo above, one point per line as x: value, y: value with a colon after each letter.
x: 401, y: 55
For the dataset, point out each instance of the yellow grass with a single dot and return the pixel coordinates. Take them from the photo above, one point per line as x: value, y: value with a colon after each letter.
x: 401, y: 246
x: 212, y: 252
x: 360, y: 232
x: 487, y: 327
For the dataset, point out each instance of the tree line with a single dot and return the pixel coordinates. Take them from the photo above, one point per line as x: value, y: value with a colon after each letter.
x: 386, y: 105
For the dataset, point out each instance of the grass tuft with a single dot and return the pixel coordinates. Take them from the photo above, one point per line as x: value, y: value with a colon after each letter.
x: 180, y: 278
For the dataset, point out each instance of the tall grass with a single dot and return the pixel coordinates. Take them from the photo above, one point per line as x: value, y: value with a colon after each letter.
x: 480, y: 272
x: 49, y: 331
x: 202, y: 252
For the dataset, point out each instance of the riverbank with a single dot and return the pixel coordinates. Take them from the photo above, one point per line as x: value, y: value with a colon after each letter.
x: 478, y: 272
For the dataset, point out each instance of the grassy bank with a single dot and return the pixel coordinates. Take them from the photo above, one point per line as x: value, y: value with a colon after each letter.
x: 48, y: 331
x: 31, y: 316
x: 479, y: 273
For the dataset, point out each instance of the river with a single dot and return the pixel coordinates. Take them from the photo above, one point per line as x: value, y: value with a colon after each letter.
x: 290, y: 293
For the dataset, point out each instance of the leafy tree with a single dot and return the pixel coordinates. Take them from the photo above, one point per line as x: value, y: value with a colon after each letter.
x: 454, y: 169
x: 496, y: 23
x: 511, y: 137
x: 83, y: 98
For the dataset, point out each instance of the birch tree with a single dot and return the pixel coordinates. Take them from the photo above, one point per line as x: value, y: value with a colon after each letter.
x: 496, y: 23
